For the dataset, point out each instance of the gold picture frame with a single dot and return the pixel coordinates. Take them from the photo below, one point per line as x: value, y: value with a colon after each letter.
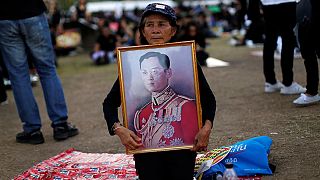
x: 164, y: 118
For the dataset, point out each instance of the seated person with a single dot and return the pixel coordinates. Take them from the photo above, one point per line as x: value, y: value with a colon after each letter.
x: 104, y: 48
x: 192, y: 33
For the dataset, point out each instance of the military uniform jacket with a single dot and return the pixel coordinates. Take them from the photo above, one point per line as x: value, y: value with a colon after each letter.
x: 168, y: 120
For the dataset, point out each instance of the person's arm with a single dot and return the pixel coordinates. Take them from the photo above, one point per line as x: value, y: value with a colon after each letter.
x: 110, y: 109
x: 110, y: 106
x: 97, y: 44
x: 208, y: 106
x: 207, y: 98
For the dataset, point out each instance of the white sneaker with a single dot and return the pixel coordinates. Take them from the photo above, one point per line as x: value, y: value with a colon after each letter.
x: 269, y: 88
x: 294, y: 88
x: 306, y: 100
x: 250, y: 44
x: 6, y: 102
x: 233, y: 42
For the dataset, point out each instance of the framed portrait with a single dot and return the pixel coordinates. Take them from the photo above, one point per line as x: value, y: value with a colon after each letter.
x: 160, y: 95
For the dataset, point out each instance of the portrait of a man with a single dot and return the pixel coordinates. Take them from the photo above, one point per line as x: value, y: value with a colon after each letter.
x: 168, y: 119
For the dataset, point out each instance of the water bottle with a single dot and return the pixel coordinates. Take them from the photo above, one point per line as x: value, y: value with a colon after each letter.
x: 229, y: 173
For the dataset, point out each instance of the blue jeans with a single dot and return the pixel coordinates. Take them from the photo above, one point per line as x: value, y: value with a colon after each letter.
x: 33, y: 35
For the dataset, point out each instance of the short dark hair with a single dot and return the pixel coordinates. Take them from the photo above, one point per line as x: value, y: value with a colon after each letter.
x: 163, y: 59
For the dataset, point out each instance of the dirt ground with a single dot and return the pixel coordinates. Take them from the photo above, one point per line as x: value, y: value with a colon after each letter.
x: 243, y: 111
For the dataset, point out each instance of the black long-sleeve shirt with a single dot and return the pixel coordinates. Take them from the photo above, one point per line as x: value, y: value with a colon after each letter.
x: 20, y: 9
x: 113, y: 101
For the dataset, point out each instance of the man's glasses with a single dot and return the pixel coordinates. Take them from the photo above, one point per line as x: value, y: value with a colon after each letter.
x: 153, y: 72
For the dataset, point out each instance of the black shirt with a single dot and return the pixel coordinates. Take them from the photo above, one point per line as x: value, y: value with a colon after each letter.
x: 81, y: 13
x: 113, y: 101
x: 107, y: 43
x: 20, y: 9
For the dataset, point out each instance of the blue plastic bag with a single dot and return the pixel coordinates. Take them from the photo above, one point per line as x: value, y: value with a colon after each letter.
x: 249, y: 158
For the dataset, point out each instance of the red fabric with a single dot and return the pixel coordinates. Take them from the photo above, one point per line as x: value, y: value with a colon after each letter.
x: 73, y: 164
x: 186, y: 128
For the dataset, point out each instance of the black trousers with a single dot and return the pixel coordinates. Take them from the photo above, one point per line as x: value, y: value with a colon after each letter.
x: 166, y: 165
x: 309, y: 39
x: 280, y: 20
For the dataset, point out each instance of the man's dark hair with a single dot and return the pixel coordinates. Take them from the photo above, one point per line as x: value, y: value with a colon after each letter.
x: 163, y: 59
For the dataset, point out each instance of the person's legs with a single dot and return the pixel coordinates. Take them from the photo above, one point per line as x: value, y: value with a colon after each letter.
x: 100, y: 57
x: 150, y: 166
x: 308, y: 38
x: 3, y: 94
x: 3, y: 67
x: 309, y: 55
x: 288, y: 21
x: 37, y: 37
x: 177, y: 165
x: 180, y: 164
x: 14, y: 55
x: 269, y: 44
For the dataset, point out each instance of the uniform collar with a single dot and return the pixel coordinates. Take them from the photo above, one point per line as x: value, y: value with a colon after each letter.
x: 163, y: 96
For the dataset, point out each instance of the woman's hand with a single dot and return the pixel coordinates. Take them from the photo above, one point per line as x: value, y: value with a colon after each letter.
x: 128, y: 138
x: 202, y: 138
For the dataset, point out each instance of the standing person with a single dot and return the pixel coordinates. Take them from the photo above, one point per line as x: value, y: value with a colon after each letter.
x: 280, y: 19
x: 255, y: 31
x: 169, y: 118
x: 24, y: 27
x: 308, y: 35
x: 81, y: 10
x: 158, y: 25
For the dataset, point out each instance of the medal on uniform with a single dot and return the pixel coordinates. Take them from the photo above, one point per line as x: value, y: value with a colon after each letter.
x: 168, y: 131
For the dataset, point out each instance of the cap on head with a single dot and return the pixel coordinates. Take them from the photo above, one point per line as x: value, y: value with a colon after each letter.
x: 161, y: 9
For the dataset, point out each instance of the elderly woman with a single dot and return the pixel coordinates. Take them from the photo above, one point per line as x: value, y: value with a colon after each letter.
x: 158, y: 25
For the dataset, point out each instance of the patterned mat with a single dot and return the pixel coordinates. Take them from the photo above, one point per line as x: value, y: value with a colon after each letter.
x: 73, y: 164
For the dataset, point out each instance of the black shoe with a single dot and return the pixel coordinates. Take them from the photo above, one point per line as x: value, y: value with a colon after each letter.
x: 64, y: 131
x: 34, y: 137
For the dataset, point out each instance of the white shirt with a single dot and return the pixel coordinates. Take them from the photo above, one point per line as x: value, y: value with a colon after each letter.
x: 274, y: 2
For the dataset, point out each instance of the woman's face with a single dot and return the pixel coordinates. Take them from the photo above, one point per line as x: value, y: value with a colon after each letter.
x: 157, y: 29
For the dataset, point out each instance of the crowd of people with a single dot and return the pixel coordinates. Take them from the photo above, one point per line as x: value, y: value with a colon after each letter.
x: 112, y: 30
x: 257, y: 22
x: 107, y: 30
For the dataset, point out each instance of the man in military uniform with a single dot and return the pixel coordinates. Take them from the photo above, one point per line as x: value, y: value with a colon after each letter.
x: 168, y: 119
